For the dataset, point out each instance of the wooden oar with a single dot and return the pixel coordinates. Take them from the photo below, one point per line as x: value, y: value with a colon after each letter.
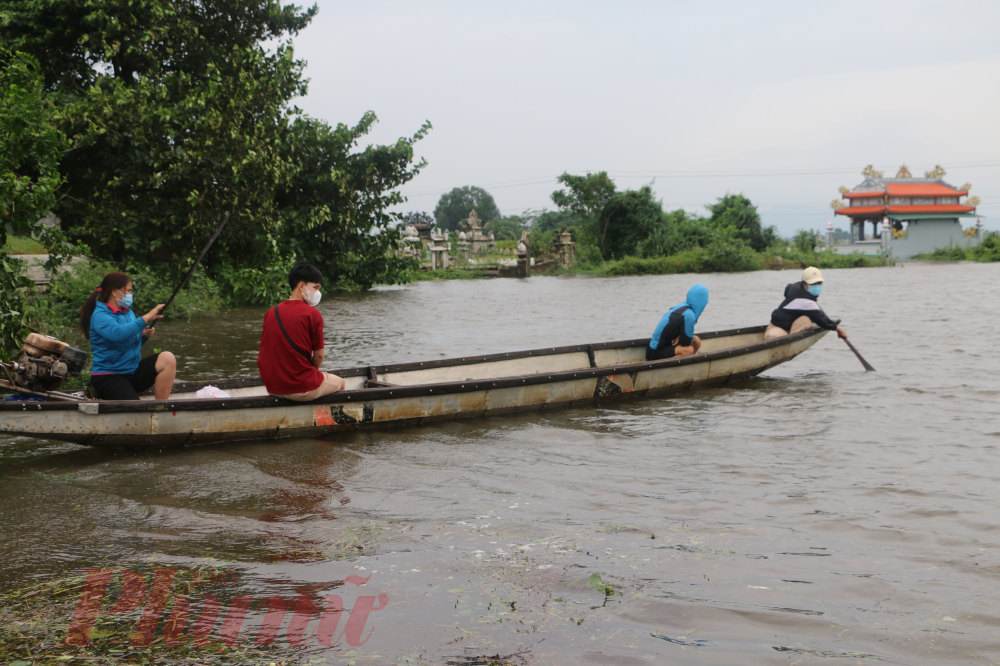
x: 197, y: 261
x: 868, y: 367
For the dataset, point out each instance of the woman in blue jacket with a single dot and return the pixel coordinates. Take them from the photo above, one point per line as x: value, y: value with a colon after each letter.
x: 116, y: 337
x: 674, y: 335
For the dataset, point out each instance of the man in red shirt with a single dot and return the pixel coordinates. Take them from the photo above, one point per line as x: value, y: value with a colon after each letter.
x: 291, y: 345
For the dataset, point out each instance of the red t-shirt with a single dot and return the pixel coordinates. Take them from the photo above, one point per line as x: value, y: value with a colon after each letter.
x: 283, y: 369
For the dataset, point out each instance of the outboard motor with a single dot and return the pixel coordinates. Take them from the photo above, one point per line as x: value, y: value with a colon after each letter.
x: 45, y: 361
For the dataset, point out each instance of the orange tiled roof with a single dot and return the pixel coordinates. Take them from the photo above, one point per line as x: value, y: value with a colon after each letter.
x: 923, y: 190
x: 909, y: 190
x: 858, y: 211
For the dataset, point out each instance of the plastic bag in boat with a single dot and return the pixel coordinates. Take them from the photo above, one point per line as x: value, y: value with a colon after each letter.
x: 212, y: 392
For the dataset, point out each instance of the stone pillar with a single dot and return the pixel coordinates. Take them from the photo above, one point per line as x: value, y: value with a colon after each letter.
x: 566, y: 251
x: 523, y: 259
x: 829, y: 235
x: 439, y: 250
x: 886, y: 236
x: 979, y: 230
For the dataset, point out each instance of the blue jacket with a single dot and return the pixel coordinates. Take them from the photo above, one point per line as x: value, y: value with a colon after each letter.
x: 697, y: 300
x: 115, y: 340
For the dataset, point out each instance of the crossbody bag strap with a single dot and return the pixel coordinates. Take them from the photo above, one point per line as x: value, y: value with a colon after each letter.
x: 305, y: 354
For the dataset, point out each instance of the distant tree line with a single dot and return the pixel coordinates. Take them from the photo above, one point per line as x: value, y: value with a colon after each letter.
x: 610, y: 224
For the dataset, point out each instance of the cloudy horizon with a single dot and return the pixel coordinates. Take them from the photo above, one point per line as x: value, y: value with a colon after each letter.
x: 783, y: 102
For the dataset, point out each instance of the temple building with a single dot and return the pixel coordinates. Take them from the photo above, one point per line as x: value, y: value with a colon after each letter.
x: 916, y: 215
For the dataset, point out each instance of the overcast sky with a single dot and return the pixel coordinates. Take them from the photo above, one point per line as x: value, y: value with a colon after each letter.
x: 782, y: 101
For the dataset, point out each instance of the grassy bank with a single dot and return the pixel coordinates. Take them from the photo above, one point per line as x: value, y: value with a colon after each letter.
x: 447, y: 274
x: 23, y: 245
x: 707, y: 261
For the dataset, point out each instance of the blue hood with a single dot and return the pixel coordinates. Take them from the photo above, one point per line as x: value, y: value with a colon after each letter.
x: 697, y: 298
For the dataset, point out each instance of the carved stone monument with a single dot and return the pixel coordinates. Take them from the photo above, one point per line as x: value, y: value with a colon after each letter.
x: 475, y: 235
x: 412, y: 246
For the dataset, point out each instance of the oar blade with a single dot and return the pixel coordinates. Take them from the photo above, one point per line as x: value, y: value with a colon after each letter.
x: 868, y: 366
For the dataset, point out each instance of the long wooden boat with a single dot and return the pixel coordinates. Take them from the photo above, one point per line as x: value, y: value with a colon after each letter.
x: 409, y: 393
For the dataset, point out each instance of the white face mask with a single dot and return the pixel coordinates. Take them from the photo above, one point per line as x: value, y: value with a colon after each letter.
x: 311, y: 297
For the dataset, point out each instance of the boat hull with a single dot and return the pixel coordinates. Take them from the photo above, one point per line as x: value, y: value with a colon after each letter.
x: 418, y: 393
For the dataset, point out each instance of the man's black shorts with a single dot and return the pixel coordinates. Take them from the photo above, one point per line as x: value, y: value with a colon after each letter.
x: 666, y: 351
x: 126, y: 387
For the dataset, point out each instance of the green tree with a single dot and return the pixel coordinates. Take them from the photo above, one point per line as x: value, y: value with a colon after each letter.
x: 588, y: 197
x: 336, y: 203
x: 30, y: 148
x: 178, y: 113
x: 632, y: 216
x: 805, y: 240
x: 455, y: 206
x: 677, y: 232
x: 556, y: 220
x: 737, y: 217
x: 507, y: 228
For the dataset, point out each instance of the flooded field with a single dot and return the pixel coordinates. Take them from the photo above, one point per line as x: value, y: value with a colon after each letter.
x: 815, y: 514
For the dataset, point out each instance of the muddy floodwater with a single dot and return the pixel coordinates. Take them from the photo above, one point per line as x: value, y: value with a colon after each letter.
x: 814, y: 514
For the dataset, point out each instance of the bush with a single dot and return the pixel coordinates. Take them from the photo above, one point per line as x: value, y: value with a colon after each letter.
x: 256, y: 286
x: 685, y: 262
x: 804, y: 240
x: 447, y: 274
x: 988, y: 249
x: 944, y: 254
x: 677, y: 232
x: 729, y: 257
x: 541, y: 242
x: 853, y: 260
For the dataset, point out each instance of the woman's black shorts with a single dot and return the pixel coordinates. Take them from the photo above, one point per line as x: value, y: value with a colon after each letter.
x: 126, y: 387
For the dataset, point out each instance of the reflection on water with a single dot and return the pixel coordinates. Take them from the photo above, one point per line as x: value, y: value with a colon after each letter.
x: 815, y: 512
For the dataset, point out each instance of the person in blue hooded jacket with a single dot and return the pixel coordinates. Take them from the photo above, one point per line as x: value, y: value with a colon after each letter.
x: 116, y: 338
x: 674, y: 335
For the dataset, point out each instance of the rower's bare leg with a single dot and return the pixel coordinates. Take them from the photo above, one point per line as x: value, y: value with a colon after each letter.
x: 803, y: 323
x: 166, y: 370
x: 773, y: 331
x: 690, y: 350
